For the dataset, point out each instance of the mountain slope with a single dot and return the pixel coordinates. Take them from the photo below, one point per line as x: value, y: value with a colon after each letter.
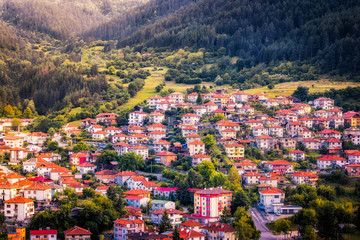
x: 259, y: 30
x: 64, y: 18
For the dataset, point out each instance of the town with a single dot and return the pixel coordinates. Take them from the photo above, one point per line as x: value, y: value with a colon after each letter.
x: 191, y: 166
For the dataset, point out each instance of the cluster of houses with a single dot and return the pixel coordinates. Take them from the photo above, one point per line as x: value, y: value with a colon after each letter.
x: 296, y: 127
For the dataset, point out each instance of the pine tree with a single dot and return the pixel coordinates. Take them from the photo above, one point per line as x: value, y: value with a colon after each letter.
x: 165, y: 224
x: 199, y: 100
x: 225, y: 216
x: 176, y: 234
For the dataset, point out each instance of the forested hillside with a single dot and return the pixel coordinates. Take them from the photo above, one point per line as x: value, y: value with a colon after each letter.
x: 64, y: 18
x: 322, y: 30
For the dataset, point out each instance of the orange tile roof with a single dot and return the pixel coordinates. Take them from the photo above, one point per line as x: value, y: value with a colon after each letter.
x: 19, y: 199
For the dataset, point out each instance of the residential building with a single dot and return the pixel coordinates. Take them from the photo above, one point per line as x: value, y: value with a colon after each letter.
x: 47, y: 234
x: 175, y: 216
x: 123, y: 227
x: 217, y: 230
x: 196, y: 147
x: 165, y: 158
x: 19, y: 208
x: 77, y: 233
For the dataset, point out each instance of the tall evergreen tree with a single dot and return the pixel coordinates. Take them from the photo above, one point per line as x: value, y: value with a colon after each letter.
x: 199, y: 100
x: 165, y: 224
x: 176, y: 234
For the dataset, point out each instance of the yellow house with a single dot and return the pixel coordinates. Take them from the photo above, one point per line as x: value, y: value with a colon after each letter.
x: 352, y: 118
x: 228, y: 133
x: 196, y: 147
x: 234, y: 151
x: 20, y: 234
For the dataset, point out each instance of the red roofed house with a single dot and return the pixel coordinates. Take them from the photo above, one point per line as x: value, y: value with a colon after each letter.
x: 310, y: 143
x: 245, y: 166
x: 271, y: 200
x: 156, y: 118
x: 196, y: 147
x: 265, y: 142
x: 251, y: 178
x: 324, y: 103
x: 19, y: 208
x: 241, y: 97
x: 77, y: 233
x: 40, y: 192
x: 137, y: 192
x: 353, y: 156
x: 175, y: 216
x: 219, y: 230
x: 78, y: 158
x: 100, y: 135
x: 328, y: 161
x: 123, y: 227
x: 330, y: 134
x: 165, y: 192
x: 106, y: 176
x: 137, y: 201
x: 188, y: 234
x: 165, y: 158
x: 190, y: 118
x: 161, y: 146
x: 192, y: 224
x: 333, y: 143
x: 157, y: 136
x: 353, y: 169
x: 297, y: 155
x: 140, y: 150
x: 86, y: 167
x: 304, y: 178
x: 47, y: 234
x: 280, y: 166
x: 197, y: 159
x: 121, y: 177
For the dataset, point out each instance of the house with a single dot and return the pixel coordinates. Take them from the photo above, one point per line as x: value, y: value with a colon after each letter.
x: 123, y: 227
x: 14, y: 177
x: 121, y: 147
x: 234, y: 151
x: 140, y: 182
x: 121, y: 177
x: 192, y: 97
x: 276, y: 131
x: 156, y: 117
x: 99, y: 135
x: 86, y: 167
x: 241, y: 97
x: 188, y: 234
x: 192, y: 224
x: 136, y: 130
x: 282, y: 166
x: 305, y: 178
x: 190, y: 118
x: 245, y: 166
x: 200, y: 110
x: 77, y: 233
x: 137, y: 201
x: 198, y: 158
x: 175, y: 216
x: 177, y: 97
x: 78, y: 158
x: 353, y: 169
x: 102, y: 190
x: 37, y: 138
x: 251, y: 178
x: 329, y: 161
x: 138, y: 138
x: 311, y: 143
x: 120, y: 137
x: 188, y: 130
x: 19, y: 234
x: 48, y: 234
x: 353, y: 156
x: 161, y: 146
x: 140, y: 150
x: 352, y: 118
x: 217, y: 230
x: 196, y: 147
x: 165, y: 158
x: 78, y: 187
x: 192, y: 137
x: 321, y: 114
x: 162, y: 204
x: 152, y: 101
x: 246, y: 110
x: 56, y: 172
x: 19, y: 208
x: 288, y: 143
x: 324, y: 103
x: 209, y: 203
x: 297, y: 155
x: 106, y: 176
x: 271, y: 103
x: 264, y: 142
x: 228, y: 133
x: 271, y: 200
x: 94, y: 128
x: 87, y: 122
x: 165, y: 192
x: 40, y: 192
x: 333, y: 143
x: 14, y: 141
x: 137, y: 192
x: 210, y: 107
x: 156, y: 127
x: 112, y: 130
x: 270, y: 180
x: 156, y: 136
x: 253, y: 123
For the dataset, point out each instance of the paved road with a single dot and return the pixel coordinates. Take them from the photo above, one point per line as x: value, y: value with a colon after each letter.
x: 259, y: 221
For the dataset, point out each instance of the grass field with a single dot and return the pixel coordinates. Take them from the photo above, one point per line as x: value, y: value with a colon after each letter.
x: 148, y: 90
x: 286, y: 89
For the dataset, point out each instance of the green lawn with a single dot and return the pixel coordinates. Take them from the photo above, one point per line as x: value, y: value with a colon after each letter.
x: 148, y: 90
x: 286, y: 89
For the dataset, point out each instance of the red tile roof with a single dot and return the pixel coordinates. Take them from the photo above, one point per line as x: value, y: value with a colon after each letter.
x: 219, y: 227
x: 77, y: 231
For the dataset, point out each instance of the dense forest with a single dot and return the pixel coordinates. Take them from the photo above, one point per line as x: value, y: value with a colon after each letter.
x: 262, y: 31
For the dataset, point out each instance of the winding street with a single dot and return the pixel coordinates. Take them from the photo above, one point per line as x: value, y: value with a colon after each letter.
x: 259, y: 221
